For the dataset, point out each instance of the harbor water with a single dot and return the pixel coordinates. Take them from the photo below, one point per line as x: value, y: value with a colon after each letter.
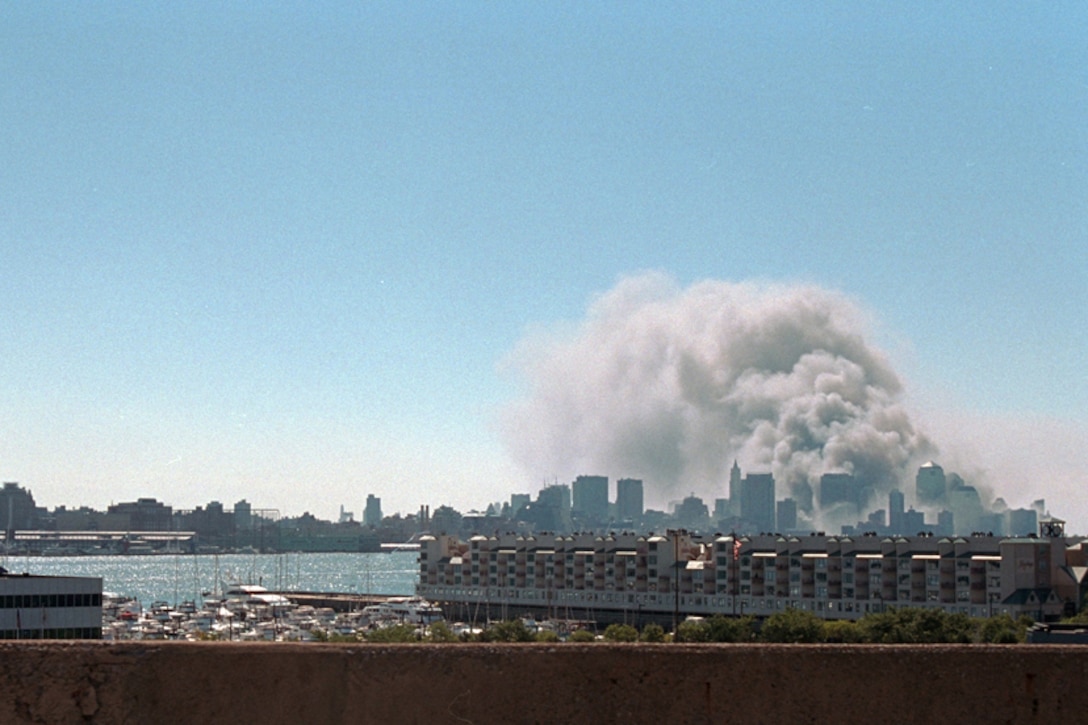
x: 174, y: 578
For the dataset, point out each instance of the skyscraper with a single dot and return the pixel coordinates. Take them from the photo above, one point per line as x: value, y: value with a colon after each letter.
x: 590, y: 497
x: 734, y: 485
x: 372, y: 514
x: 896, y: 507
x: 930, y: 483
x: 757, y: 500
x: 629, y: 501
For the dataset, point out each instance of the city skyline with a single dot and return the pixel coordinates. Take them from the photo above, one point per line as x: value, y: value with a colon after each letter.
x: 301, y: 255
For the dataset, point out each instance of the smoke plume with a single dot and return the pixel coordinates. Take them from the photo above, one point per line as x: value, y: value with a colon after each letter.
x: 672, y: 384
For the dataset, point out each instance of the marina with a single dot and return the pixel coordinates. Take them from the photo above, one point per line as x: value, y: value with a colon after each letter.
x: 178, y: 578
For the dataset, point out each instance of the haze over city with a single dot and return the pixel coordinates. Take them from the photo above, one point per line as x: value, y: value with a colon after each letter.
x: 299, y: 254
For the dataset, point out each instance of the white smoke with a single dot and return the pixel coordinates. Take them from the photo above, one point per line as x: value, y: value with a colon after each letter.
x: 671, y: 385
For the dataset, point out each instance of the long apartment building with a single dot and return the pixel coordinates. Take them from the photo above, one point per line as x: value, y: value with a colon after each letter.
x: 630, y: 577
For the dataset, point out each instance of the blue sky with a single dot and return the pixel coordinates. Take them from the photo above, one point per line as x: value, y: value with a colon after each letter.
x: 282, y: 254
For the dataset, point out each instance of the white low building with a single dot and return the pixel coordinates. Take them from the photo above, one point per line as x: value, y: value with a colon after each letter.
x: 50, y: 607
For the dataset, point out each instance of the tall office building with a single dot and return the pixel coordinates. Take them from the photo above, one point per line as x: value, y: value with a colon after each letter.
x: 839, y: 488
x: 590, y: 497
x: 787, y: 514
x: 757, y: 501
x: 629, y: 501
x: 552, y: 508
x: 372, y: 514
x: 930, y: 484
x: 896, y: 506
x: 734, y: 485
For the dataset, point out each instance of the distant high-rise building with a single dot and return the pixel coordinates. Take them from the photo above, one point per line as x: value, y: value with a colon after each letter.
x: 930, y: 484
x: 734, y: 483
x: 243, y: 515
x: 692, y: 513
x: 519, y: 501
x: 946, y: 523
x: 1021, y: 522
x: 839, y: 488
x: 757, y: 500
x: 967, y: 507
x: 17, y: 508
x: 896, y: 506
x: 721, y: 508
x: 914, y: 521
x: 590, y: 498
x: 372, y: 514
x: 629, y: 499
x: 552, y: 508
x: 787, y: 514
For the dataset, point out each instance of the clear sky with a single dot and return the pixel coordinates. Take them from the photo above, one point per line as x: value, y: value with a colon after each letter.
x: 282, y: 252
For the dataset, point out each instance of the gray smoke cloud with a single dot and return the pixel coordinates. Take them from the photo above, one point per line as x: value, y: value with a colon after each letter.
x: 672, y: 384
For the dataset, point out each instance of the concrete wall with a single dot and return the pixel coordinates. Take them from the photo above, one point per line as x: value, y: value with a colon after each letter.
x: 72, y: 682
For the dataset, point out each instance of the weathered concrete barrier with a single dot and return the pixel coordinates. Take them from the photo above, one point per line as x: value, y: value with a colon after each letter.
x: 68, y: 682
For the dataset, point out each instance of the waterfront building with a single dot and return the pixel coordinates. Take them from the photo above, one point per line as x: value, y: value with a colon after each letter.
x: 630, y: 577
x: 144, y: 514
x: 50, y: 607
x: 17, y: 508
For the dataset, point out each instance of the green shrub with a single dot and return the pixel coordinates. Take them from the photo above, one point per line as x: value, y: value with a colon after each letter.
x: 620, y: 633
x: 652, y: 632
x: 441, y: 632
x: 792, y: 625
x: 582, y: 635
x: 396, y: 633
x: 511, y: 630
x: 545, y: 635
x: 842, y: 630
x: 692, y: 630
x: 730, y: 629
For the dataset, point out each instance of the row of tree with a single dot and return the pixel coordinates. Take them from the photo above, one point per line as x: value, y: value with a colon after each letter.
x: 894, y: 626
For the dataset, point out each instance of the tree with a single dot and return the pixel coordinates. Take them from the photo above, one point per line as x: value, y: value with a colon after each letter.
x: 730, y: 629
x: 396, y: 633
x: 652, y: 632
x: 843, y: 631
x: 792, y: 625
x: 582, y: 635
x: 1003, y: 629
x: 620, y: 633
x: 511, y: 630
x: 692, y: 629
x: 441, y: 632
